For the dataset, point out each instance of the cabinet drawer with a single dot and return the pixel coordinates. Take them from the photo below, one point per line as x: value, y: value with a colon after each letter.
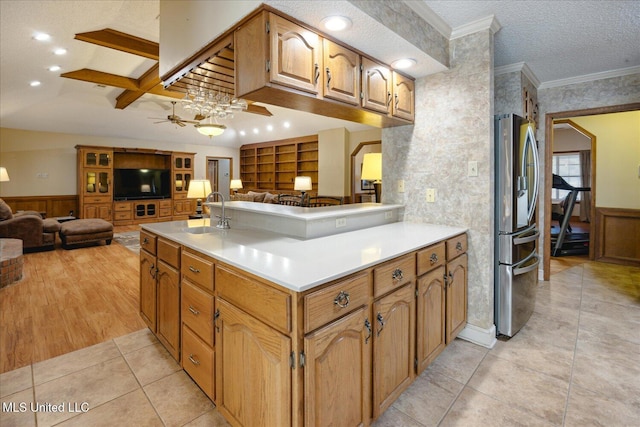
x: 122, y: 215
x: 197, y: 311
x: 456, y: 246
x: 430, y: 258
x: 394, y: 273
x: 198, y: 360
x: 165, y: 212
x: 268, y: 304
x: 148, y: 242
x: 327, y: 304
x: 169, y: 252
x: 198, y: 270
x: 121, y: 207
x: 165, y: 204
x: 97, y: 199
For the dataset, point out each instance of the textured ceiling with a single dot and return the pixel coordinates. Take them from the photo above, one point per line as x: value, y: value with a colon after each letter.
x: 556, y: 39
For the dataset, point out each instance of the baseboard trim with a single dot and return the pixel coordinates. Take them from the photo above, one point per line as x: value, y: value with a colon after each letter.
x: 484, y: 337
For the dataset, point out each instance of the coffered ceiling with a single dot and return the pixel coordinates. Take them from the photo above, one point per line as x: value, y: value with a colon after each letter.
x: 557, y: 40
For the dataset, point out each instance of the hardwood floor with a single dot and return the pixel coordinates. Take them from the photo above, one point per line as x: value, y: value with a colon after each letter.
x: 67, y: 300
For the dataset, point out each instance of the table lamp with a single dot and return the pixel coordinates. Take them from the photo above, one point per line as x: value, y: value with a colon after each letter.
x: 372, y: 171
x: 235, y: 185
x: 302, y: 184
x: 199, y: 189
x: 4, y: 176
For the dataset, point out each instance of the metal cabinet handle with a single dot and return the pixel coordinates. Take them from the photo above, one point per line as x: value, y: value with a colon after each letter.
x: 215, y: 320
x: 328, y: 77
x: 389, y: 98
x: 317, y: 73
x: 449, y: 279
x: 342, y: 300
x: 381, y: 321
x: 397, y: 274
x: 433, y: 258
x: 193, y: 360
x: 459, y: 246
x: 193, y: 269
x: 145, y: 241
x: 193, y: 310
x: 367, y: 325
x: 153, y: 271
x: 397, y: 101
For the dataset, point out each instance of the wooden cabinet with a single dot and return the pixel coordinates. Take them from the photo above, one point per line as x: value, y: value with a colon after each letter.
x: 182, y: 174
x: 337, y: 374
x: 376, y: 86
x: 95, y: 176
x: 97, y: 158
x: 456, y: 297
x: 148, y: 291
x: 430, y: 318
x: 253, y: 371
x: 403, y: 105
x: 274, y: 165
x: 296, y: 57
x: 168, y: 323
x: 341, y: 73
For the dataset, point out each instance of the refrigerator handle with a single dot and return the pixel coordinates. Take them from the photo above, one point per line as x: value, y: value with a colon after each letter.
x: 521, y: 270
x: 526, y: 239
x: 536, y: 168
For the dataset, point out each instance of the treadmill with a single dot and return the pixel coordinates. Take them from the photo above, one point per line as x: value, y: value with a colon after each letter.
x: 566, y: 242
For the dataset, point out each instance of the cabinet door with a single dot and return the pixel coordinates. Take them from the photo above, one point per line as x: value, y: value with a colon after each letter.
x: 102, y: 211
x: 97, y: 158
x: 456, y: 296
x: 341, y: 73
x: 168, y: 322
x: 393, y: 346
x: 403, y: 97
x: 295, y: 55
x: 97, y: 183
x: 376, y: 86
x: 430, y: 338
x: 253, y: 375
x: 148, y: 294
x: 337, y: 375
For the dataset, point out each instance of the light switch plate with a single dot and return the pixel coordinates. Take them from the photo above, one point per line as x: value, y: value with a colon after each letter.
x: 472, y: 168
x: 431, y: 195
x: 401, y: 186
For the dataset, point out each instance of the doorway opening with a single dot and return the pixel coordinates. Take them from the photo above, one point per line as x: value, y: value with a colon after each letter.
x: 219, y: 173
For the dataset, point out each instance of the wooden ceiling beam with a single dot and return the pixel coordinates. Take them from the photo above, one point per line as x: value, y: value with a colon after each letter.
x: 123, y: 42
x: 160, y: 90
x: 147, y: 81
x: 101, y: 78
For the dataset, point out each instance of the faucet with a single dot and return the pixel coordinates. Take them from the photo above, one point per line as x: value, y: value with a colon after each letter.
x: 223, y: 222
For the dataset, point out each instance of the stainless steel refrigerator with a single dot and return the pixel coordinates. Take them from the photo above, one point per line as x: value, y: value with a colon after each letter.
x: 516, y: 257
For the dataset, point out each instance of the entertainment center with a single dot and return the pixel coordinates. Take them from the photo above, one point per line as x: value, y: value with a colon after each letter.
x: 133, y: 185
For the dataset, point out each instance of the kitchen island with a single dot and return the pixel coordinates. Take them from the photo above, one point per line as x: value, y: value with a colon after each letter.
x: 293, y: 331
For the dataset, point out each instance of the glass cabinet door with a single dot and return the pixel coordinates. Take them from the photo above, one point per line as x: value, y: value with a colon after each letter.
x: 103, y: 159
x: 91, y: 182
x: 103, y: 182
x: 178, y: 162
x: 97, y: 158
x: 178, y: 182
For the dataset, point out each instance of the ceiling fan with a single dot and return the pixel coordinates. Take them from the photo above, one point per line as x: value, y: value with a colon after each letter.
x: 176, y: 120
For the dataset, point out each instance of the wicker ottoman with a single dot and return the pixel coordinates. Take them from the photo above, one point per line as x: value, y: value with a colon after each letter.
x: 83, y: 231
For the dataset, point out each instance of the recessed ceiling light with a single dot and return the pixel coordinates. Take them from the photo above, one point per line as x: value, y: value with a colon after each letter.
x: 41, y: 37
x: 54, y: 68
x: 60, y: 51
x: 403, y: 63
x: 286, y: 124
x: 256, y: 131
x: 242, y: 133
x: 34, y: 83
x: 336, y: 23
x: 269, y: 127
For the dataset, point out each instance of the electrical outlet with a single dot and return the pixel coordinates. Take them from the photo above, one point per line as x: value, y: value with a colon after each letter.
x: 401, y: 186
x: 472, y: 168
x: 341, y: 222
x: 388, y: 215
x: 431, y: 195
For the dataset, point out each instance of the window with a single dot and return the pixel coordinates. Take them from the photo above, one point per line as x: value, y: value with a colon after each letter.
x: 567, y: 165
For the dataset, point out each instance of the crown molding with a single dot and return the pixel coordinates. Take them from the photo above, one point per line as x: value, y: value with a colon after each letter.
x: 425, y: 12
x: 521, y: 67
x: 590, y: 77
x: 490, y: 22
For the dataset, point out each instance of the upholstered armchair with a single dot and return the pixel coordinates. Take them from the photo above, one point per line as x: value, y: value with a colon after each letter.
x: 36, y: 233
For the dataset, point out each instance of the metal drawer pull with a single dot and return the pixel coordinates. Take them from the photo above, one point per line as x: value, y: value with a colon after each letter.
x: 215, y: 320
x: 153, y: 271
x: 145, y: 241
x: 368, y: 326
x: 194, y: 361
x: 380, y: 320
x: 459, y: 246
x: 397, y: 274
x: 433, y: 258
x: 193, y: 269
x: 193, y: 310
x: 342, y: 300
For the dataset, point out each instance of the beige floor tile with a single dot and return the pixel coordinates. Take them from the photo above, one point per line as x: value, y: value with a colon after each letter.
x: 587, y: 408
x: 131, y: 409
x: 71, y: 362
x: 151, y: 363
x: 14, y: 381
x: 95, y: 385
x: 550, y: 331
x: 473, y: 408
x: 540, y: 394
x: 135, y: 340
x: 459, y: 360
x: 211, y: 418
x: 394, y: 418
x: 429, y: 397
x: 17, y: 411
x: 177, y: 399
x: 604, y: 325
x: 613, y: 348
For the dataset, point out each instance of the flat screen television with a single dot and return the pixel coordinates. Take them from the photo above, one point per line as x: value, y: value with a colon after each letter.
x: 131, y: 184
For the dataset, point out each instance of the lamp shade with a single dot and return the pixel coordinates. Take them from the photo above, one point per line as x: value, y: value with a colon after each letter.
x: 372, y: 167
x: 235, y: 184
x: 210, y: 129
x: 199, y: 189
x: 302, y: 183
x: 4, y: 176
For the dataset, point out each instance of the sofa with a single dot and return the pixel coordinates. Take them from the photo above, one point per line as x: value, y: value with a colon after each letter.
x: 253, y: 196
x: 35, y: 232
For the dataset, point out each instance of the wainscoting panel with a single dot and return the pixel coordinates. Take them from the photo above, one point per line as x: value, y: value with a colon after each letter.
x: 618, y: 232
x: 51, y: 205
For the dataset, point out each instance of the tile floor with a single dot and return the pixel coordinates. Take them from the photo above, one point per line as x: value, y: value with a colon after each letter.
x: 575, y: 363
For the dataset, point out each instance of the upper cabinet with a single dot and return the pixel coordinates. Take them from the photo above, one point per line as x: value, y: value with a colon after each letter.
x: 341, y: 73
x: 403, y: 97
x: 295, y: 55
x: 97, y: 158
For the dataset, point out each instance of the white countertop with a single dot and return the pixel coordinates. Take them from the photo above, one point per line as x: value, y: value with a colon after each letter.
x: 299, y: 264
x: 304, y: 213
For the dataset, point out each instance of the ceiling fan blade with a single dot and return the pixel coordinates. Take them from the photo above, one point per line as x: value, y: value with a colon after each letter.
x: 180, y: 123
x: 161, y: 121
